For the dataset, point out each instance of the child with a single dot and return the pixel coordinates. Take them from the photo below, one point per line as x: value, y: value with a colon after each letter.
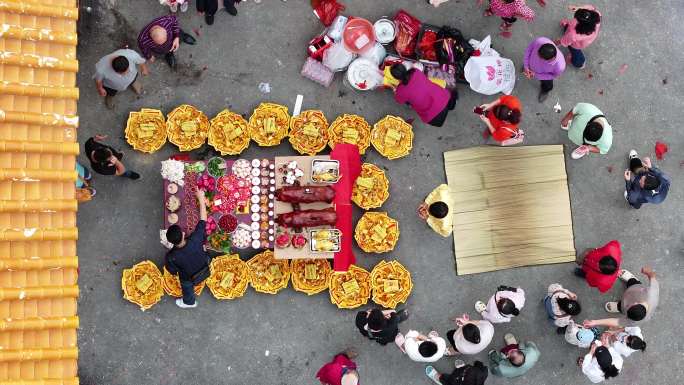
x: 437, y: 212
x: 509, y: 11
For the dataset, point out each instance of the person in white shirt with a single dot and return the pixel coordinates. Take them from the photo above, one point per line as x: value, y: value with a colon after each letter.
x: 601, y: 363
x: 578, y: 335
x: 471, y: 337
x: 627, y: 340
x: 505, y: 304
x: 561, y: 305
x: 422, y: 348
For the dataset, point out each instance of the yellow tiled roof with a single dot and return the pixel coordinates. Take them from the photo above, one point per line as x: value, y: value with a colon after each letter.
x: 38, y: 147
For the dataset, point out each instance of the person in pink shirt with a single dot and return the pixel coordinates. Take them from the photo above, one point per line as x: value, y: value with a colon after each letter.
x: 580, y: 32
x: 509, y: 11
x: 340, y: 371
x: 431, y: 102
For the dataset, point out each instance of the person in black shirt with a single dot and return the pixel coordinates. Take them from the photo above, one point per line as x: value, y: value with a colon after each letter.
x: 380, y: 325
x: 106, y: 160
x: 188, y: 258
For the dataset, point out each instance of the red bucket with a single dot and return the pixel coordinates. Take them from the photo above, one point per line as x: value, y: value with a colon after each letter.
x: 358, y: 35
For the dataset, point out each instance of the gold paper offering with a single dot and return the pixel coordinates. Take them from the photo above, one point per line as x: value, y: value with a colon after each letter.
x: 351, y: 129
x: 309, y: 132
x: 172, y: 285
x: 350, y: 289
x: 229, y: 277
x: 267, y: 274
x: 392, y: 137
x: 391, y: 284
x: 142, y: 284
x: 229, y: 133
x: 187, y: 127
x: 371, y: 188
x: 376, y: 232
x: 310, y: 276
x: 269, y: 124
x: 146, y: 130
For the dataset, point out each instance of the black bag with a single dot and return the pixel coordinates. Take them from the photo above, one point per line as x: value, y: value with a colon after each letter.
x: 475, y: 374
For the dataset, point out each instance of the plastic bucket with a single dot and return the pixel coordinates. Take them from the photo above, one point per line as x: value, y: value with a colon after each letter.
x: 385, y: 31
x: 358, y: 35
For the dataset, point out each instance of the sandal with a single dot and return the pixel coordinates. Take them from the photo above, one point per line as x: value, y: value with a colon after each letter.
x: 612, y: 307
x: 433, y: 374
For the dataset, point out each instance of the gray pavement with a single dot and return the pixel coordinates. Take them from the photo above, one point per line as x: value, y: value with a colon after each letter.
x: 284, y: 339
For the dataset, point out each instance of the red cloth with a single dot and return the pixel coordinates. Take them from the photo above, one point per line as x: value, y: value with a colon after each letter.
x: 350, y: 168
x: 590, y: 266
x: 331, y: 373
x: 660, y: 150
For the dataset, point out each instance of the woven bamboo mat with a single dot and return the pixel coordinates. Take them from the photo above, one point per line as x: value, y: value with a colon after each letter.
x: 38, y: 259
x: 511, y: 207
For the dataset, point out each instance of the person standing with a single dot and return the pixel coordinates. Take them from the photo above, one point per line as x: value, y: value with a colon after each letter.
x: 514, y: 359
x: 421, y: 348
x: 380, y: 325
x: 578, y: 335
x: 342, y: 370
x: 117, y: 72
x: 502, y: 117
x: 601, y: 363
x: 638, y: 302
x: 601, y: 267
x: 627, y: 340
x: 588, y: 129
x: 509, y: 11
x: 580, y: 32
x: 561, y: 305
x: 431, y: 102
x: 471, y: 336
x: 105, y: 160
x: 505, y: 304
x: 543, y: 61
x: 475, y: 374
x: 208, y: 8
x: 435, y: 210
x: 644, y: 183
x: 188, y: 258
x: 162, y: 36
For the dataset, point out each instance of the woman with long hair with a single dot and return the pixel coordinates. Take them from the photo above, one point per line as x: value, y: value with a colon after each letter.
x: 580, y: 32
x: 601, y: 363
x: 561, y: 305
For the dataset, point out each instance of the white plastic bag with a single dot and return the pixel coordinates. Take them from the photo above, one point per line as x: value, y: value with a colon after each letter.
x: 489, y: 75
x: 337, y: 58
x: 484, y: 46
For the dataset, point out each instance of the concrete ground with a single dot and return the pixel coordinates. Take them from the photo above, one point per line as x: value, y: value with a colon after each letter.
x: 284, y: 339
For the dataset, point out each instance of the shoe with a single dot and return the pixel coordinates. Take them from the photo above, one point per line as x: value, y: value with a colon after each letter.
x: 582, y: 67
x: 565, y: 128
x: 187, y: 39
x: 458, y: 363
x: 480, y: 306
x: 209, y: 19
x: 580, y: 152
x: 134, y: 175
x: 433, y: 374
x: 93, y: 192
x: 399, y: 340
x: 626, y: 198
x: 170, y: 60
x: 433, y: 334
x: 626, y: 275
x: 182, y: 305
x: 542, y: 96
x: 109, y: 102
x: 612, y: 307
x: 184, y: 7
x: 509, y: 339
x: 230, y: 8
x: 137, y: 86
x: 633, y: 154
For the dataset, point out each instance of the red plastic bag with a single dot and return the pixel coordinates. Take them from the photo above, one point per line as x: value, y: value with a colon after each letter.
x: 408, y: 28
x: 326, y: 10
x: 660, y: 150
x: 426, y: 46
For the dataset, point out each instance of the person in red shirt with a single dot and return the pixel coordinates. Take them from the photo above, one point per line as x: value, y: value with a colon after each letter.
x: 340, y: 371
x: 601, y: 267
x: 502, y: 117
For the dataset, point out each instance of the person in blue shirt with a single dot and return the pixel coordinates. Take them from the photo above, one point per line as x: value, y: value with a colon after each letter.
x: 644, y: 183
x: 188, y: 257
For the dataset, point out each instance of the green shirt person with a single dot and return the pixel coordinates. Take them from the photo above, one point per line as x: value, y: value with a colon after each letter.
x: 589, y: 129
x: 514, y: 359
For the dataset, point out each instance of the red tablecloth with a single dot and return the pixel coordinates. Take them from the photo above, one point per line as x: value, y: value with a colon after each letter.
x: 350, y: 168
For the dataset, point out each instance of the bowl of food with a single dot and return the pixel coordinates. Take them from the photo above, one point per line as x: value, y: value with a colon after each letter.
x: 173, y: 203
x: 187, y: 127
x: 229, y: 133
x: 352, y: 129
x: 326, y: 241
x: 392, y: 137
x: 146, y: 130
x: 267, y: 274
x: 217, y: 167
x: 309, y: 132
x: 349, y: 289
x: 325, y: 171
x: 143, y: 284
x: 371, y: 188
x: 376, y: 232
x: 228, y: 223
x: 390, y: 283
x: 229, y: 277
x: 269, y: 124
x: 310, y: 276
x: 220, y: 241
